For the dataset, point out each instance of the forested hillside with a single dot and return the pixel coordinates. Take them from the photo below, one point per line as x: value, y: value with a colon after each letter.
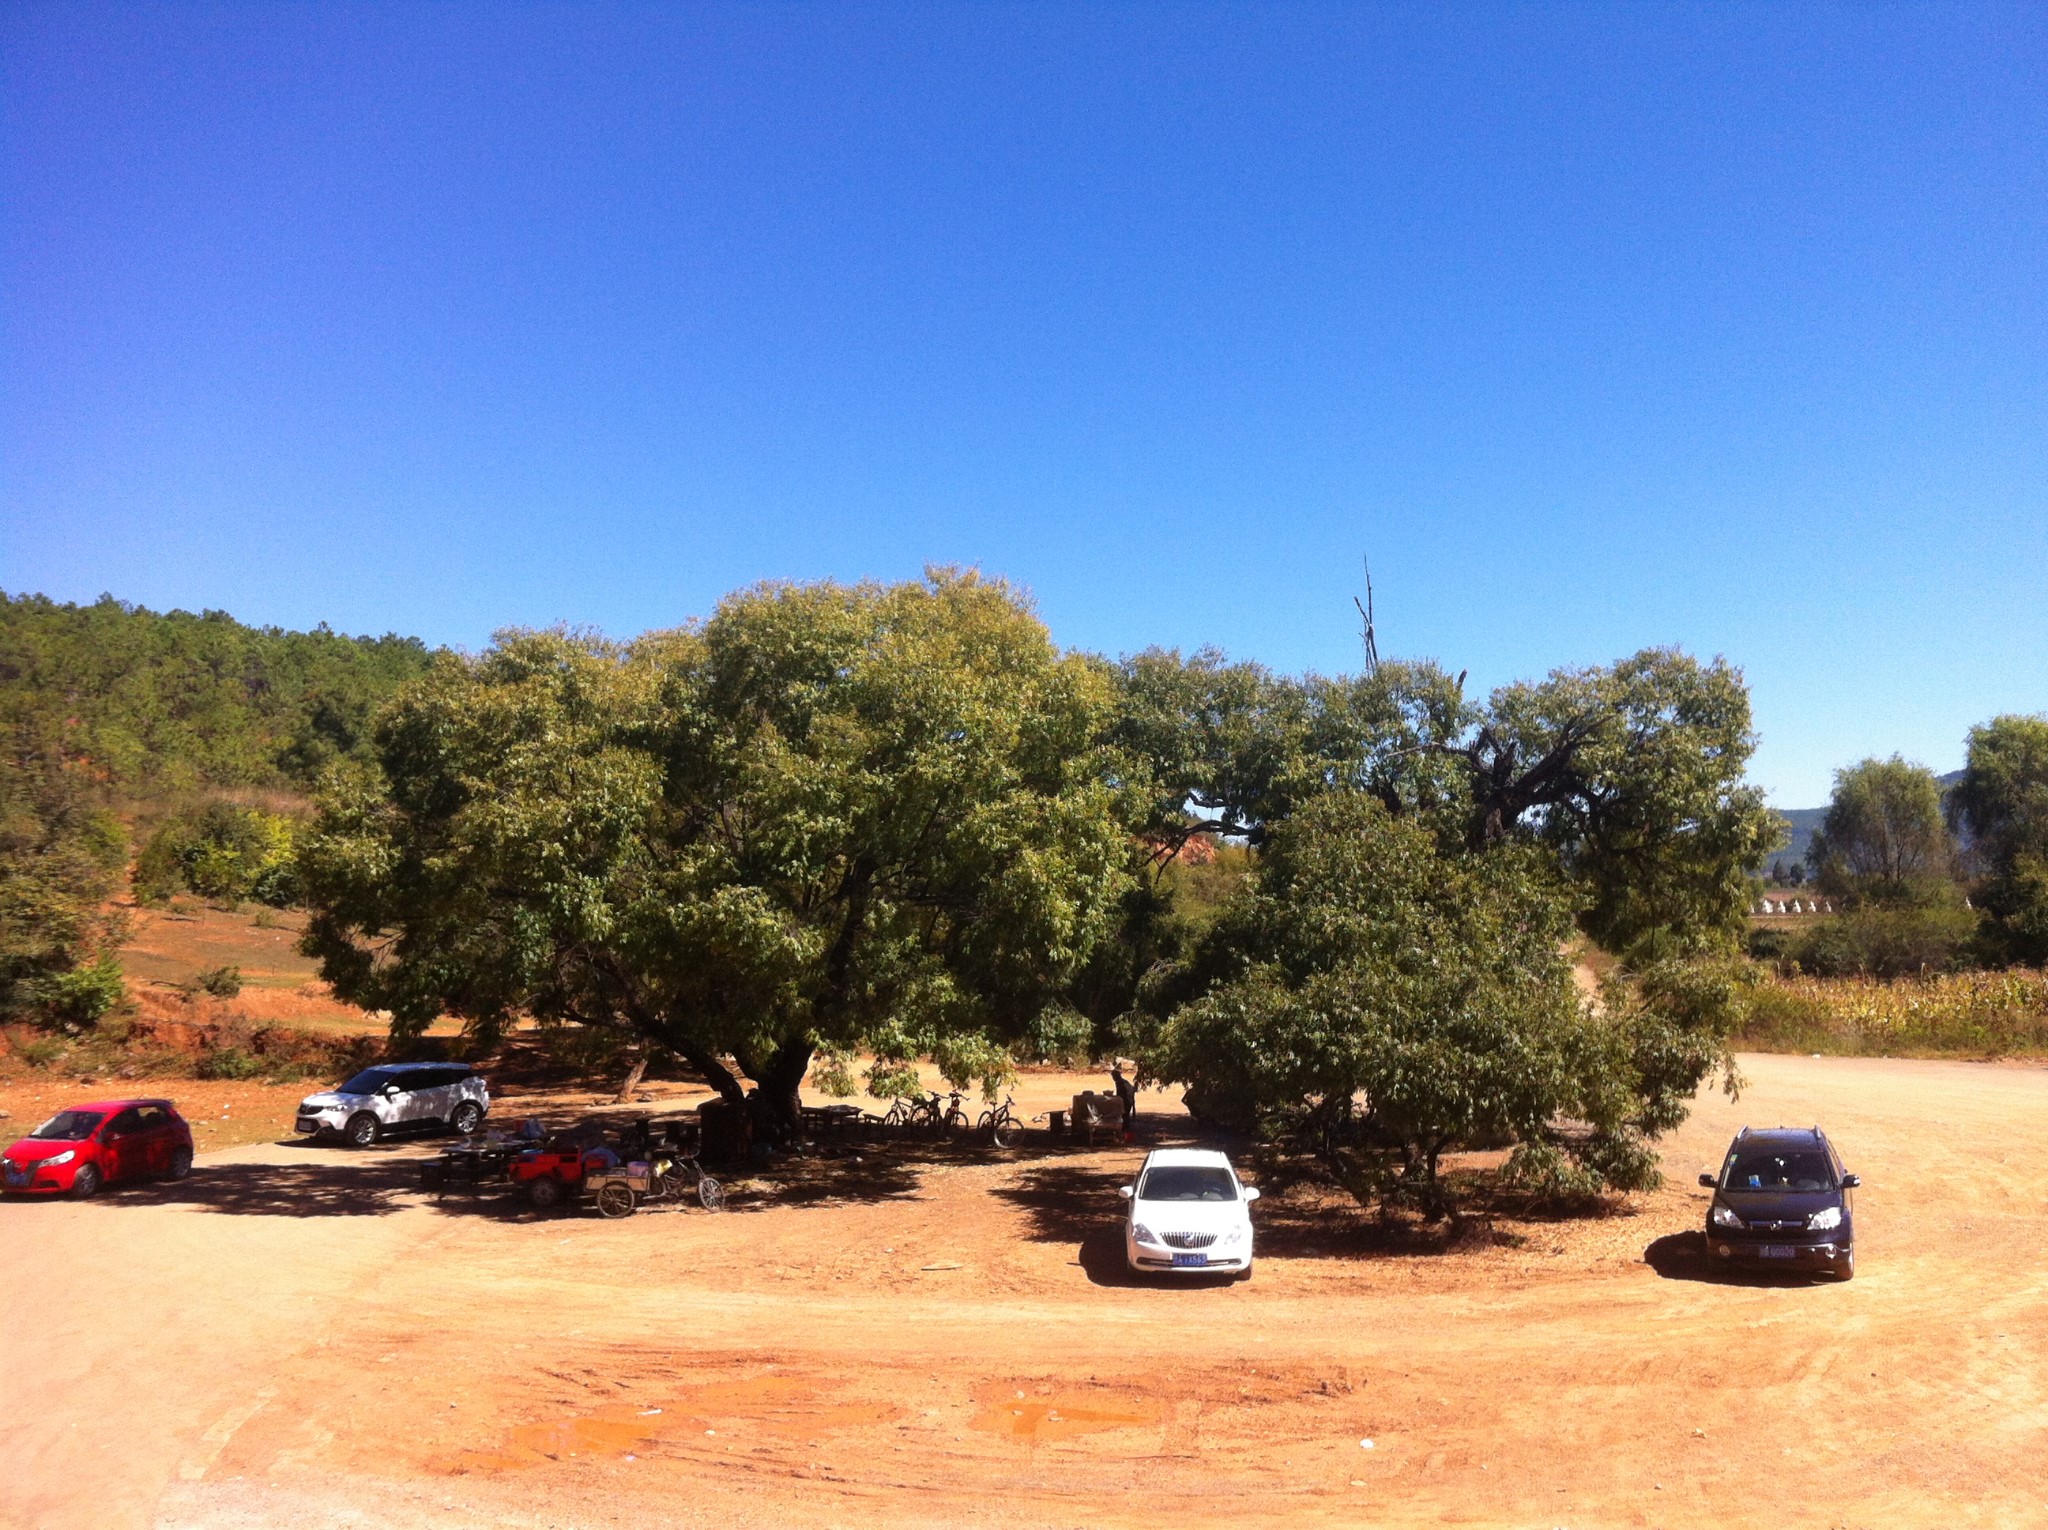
x: 148, y: 703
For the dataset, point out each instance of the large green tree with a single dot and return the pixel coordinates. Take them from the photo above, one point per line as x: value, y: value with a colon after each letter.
x: 1631, y: 773
x: 2002, y: 801
x: 1884, y: 842
x: 827, y: 816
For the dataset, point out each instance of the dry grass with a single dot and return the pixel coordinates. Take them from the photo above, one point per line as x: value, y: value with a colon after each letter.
x: 1971, y: 1014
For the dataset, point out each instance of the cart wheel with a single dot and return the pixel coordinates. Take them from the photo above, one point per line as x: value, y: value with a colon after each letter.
x: 711, y: 1193
x: 616, y: 1200
x: 1009, y: 1135
x: 545, y: 1193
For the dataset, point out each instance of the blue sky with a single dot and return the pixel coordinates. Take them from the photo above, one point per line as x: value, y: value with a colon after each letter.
x: 1595, y: 326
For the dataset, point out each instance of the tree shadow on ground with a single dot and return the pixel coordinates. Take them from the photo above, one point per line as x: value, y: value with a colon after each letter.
x: 358, y: 1188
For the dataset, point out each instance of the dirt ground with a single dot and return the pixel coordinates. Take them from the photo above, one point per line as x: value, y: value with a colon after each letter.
x: 296, y: 1335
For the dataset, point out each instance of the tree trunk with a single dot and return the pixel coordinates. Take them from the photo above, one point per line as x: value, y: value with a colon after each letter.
x: 778, y: 1095
x: 633, y: 1077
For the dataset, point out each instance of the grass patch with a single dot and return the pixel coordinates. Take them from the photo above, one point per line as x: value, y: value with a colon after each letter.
x: 1968, y: 1014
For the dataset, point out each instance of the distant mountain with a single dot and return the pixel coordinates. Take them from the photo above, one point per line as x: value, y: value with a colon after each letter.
x: 1799, y: 826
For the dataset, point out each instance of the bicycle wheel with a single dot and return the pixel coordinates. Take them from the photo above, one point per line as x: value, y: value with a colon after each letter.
x: 1008, y: 1134
x: 616, y: 1200
x: 711, y: 1193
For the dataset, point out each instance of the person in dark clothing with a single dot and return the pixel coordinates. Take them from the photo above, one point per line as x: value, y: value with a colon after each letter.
x: 1127, y: 1095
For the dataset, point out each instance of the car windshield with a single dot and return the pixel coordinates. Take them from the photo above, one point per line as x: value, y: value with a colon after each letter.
x: 1188, y: 1182
x: 1761, y: 1169
x: 69, y: 1126
x: 370, y: 1080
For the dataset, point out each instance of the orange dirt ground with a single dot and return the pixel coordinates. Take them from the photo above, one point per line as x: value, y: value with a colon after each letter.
x: 295, y: 1335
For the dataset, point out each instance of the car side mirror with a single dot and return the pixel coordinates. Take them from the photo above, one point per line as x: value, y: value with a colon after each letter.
x: 1851, y: 1181
x: 1707, y: 1180
x: 1251, y: 1193
x: 390, y: 1090
x: 1126, y: 1191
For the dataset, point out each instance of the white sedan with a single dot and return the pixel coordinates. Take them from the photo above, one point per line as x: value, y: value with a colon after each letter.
x: 1189, y: 1215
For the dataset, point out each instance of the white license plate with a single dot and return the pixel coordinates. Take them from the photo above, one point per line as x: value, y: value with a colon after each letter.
x: 1777, y: 1251
x: 306, y: 1126
x: 1189, y: 1261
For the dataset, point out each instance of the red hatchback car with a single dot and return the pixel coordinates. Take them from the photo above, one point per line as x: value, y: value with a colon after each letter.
x: 85, y: 1146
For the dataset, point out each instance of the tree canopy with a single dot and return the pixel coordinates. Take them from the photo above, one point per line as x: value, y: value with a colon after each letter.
x: 2002, y: 800
x: 1884, y: 841
x: 150, y: 702
x: 828, y: 815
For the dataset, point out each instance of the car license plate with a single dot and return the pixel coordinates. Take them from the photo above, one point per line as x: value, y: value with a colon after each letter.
x: 1186, y: 1261
x: 306, y: 1126
x: 1777, y: 1251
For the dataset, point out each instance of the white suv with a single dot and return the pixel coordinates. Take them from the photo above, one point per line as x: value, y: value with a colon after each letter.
x: 1189, y: 1215
x: 389, y: 1096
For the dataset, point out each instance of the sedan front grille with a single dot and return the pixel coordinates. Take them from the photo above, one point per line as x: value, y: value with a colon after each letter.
x: 1189, y: 1240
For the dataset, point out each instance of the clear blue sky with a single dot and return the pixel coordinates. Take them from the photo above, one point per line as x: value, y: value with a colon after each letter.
x: 1597, y: 327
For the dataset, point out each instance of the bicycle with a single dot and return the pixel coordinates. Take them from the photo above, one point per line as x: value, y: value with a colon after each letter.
x: 1000, y: 1122
x: 955, y: 1118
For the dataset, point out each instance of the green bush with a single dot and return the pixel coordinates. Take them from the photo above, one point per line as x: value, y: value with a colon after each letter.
x: 82, y: 997
x: 1060, y: 1034
x: 1886, y: 943
x: 230, y: 1063
x: 222, y: 852
x: 221, y: 982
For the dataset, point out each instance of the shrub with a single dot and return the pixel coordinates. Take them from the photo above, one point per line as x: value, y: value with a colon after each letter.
x: 82, y: 997
x: 42, y: 1051
x: 221, y: 982
x: 1887, y: 943
x: 230, y: 1063
x: 222, y: 852
x: 1062, y: 1035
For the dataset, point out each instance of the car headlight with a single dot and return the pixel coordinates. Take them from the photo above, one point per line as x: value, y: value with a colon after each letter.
x: 1143, y: 1233
x: 64, y: 1157
x: 1723, y: 1217
x: 1821, y: 1221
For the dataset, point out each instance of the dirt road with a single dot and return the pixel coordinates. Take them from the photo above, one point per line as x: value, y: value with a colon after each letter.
x: 296, y: 1336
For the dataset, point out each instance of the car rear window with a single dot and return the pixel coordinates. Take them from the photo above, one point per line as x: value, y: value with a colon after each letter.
x: 1187, y: 1182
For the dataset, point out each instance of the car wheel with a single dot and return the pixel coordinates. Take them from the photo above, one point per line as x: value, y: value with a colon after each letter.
x: 615, y: 1200
x: 86, y: 1182
x: 467, y: 1118
x: 361, y: 1130
x: 711, y: 1194
x: 545, y: 1193
x: 181, y: 1163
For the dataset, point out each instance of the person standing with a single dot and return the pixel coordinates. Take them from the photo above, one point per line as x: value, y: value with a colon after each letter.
x: 1127, y: 1096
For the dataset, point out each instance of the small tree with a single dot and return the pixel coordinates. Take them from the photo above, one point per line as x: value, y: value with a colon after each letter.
x: 2002, y: 801
x: 1883, y: 842
x: 1374, y: 986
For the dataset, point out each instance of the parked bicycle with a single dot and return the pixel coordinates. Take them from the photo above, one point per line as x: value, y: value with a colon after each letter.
x: 1001, y: 1124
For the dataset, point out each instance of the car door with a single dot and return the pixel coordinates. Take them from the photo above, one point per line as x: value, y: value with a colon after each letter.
x: 122, y: 1146
x: 152, y: 1139
x: 435, y: 1094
